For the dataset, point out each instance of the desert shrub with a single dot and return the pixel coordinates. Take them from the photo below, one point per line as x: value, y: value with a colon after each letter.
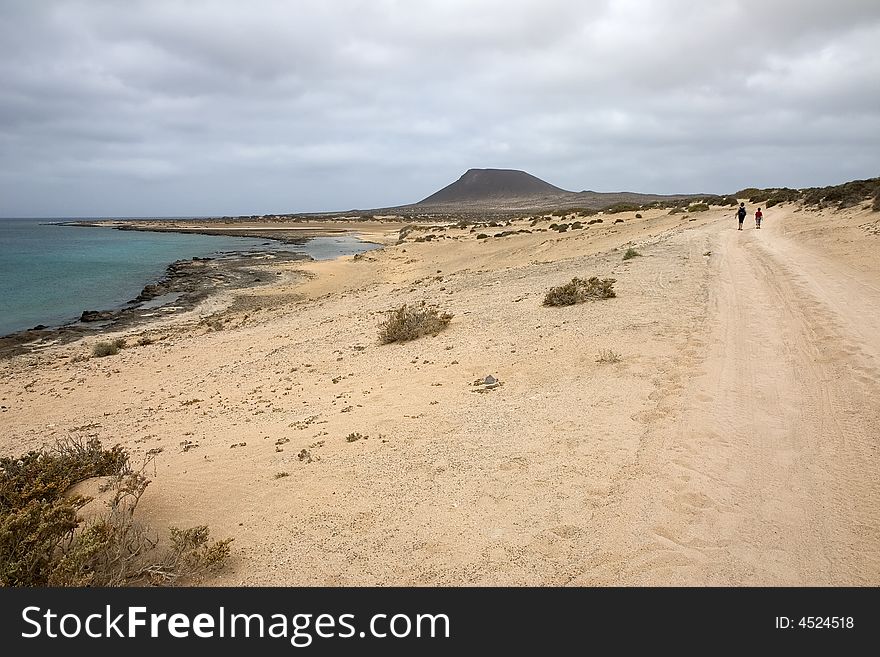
x: 638, y: 215
x: 607, y: 356
x: 584, y: 212
x: 145, y: 340
x: 844, y: 195
x: 101, y: 349
x: 594, y: 221
x: 622, y: 207
x: 748, y: 192
x: 630, y: 254
x: 676, y: 211
x: 44, y: 542
x: 411, y: 322
x: 579, y: 290
x: 697, y: 207
x: 782, y: 195
x: 482, y: 236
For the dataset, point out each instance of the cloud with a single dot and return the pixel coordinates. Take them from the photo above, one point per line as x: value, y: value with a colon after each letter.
x: 222, y: 107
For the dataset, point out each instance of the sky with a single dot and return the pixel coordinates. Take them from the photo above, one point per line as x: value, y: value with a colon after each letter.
x: 222, y: 107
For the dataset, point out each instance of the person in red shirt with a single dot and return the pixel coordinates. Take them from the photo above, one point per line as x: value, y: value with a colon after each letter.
x: 758, y: 216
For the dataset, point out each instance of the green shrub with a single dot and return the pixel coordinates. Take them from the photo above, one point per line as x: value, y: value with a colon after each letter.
x: 697, y: 207
x: 630, y: 254
x: 44, y: 542
x: 102, y: 349
x: 622, y: 207
x: 411, y: 322
x: 580, y: 290
x: 482, y: 236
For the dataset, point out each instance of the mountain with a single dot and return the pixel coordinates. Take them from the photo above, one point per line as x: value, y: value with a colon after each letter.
x: 512, y: 190
x: 479, y: 186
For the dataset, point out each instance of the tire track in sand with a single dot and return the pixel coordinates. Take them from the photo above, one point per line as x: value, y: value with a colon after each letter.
x: 769, y: 473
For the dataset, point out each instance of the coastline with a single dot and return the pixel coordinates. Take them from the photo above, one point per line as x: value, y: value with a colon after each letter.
x: 188, y: 282
x: 185, y: 284
x: 281, y: 230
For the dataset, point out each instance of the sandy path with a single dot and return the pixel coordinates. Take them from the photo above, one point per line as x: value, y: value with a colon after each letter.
x: 770, y: 474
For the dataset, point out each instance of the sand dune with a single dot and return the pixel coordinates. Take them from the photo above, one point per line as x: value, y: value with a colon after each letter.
x: 734, y: 443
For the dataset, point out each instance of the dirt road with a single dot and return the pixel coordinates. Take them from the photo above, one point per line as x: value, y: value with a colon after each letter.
x: 770, y: 475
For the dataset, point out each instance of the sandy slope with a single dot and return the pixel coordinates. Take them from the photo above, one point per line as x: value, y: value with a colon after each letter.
x: 734, y: 443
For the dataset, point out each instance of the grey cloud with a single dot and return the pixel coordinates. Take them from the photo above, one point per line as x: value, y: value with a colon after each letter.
x: 226, y: 107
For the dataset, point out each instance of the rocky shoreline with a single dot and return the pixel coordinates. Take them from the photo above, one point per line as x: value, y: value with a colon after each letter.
x: 185, y: 284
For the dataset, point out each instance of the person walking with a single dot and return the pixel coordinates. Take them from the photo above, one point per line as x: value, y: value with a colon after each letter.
x: 758, y: 216
x: 741, y: 214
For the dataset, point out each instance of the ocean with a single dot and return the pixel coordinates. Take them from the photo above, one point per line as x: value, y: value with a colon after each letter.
x: 50, y: 273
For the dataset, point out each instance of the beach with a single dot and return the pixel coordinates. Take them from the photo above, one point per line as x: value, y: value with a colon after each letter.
x: 713, y: 424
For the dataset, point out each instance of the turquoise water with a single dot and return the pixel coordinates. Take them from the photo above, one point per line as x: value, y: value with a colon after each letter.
x: 49, y: 274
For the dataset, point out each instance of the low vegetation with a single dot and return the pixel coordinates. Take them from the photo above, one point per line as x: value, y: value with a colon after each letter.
x: 630, y: 254
x: 411, y: 322
x: 845, y: 195
x: 44, y: 541
x: 836, y: 196
x: 102, y: 348
x: 579, y: 290
x: 607, y: 356
x: 622, y: 207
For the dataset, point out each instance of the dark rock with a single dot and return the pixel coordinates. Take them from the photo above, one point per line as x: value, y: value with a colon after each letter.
x: 150, y: 291
x: 39, y: 327
x: 96, y: 315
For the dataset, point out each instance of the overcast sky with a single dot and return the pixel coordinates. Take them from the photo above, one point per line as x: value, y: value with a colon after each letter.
x: 229, y: 107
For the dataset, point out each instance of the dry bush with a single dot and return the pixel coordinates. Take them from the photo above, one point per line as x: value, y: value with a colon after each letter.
x: 102, y: 349
x: 630, y: 254
x: 623, y: 206
x: 411, y: 322
x: 607, y: 356
x: 44, y: 541
x: 580, y: 290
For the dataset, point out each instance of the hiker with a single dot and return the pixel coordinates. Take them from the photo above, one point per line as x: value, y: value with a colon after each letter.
x: 758, y: 216
x: 741, y: 213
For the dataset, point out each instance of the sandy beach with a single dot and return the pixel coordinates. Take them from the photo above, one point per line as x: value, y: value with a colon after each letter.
x: 733, y: 443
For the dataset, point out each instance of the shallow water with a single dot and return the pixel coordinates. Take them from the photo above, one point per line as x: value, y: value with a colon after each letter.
x: 49, y: 273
